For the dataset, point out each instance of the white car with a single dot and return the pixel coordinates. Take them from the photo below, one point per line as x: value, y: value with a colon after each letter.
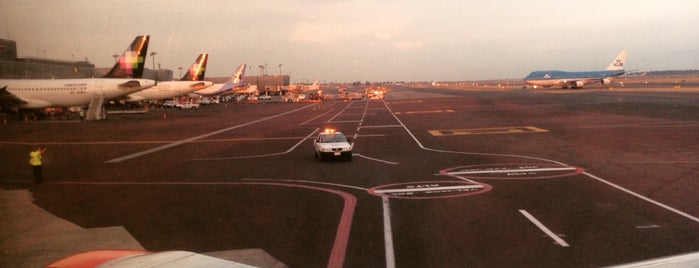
x: 188, y: 105
x: 331, y: 143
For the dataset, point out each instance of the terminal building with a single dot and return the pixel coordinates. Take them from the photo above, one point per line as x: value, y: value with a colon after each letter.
x: 36, y: 68
x: 13, y: 67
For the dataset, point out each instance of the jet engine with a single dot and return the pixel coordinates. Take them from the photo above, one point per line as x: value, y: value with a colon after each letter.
x: 606, y: 81
x: 579, y: 84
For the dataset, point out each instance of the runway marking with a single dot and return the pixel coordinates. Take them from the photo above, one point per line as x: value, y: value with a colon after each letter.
x: 430, y: 189
x: 676, y: 211
x: 346, y: 121
x: 419, y: 144
x: 682, y: 260
x: 177, y: 143
x: 375, y: 159
x: 259, y: 155
x: 426, y: 112
x: 447, y: 188
x: 543, y: 228
x: 491, y: 130
x: 314, y: 118
x: 384, y: 126
x: 339, y: 249
x: 313, y: 182
x: 388, y: 234
x: 512, y: 170
x: 340, y: 112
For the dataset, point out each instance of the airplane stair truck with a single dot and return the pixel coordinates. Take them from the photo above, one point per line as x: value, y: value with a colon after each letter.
x: 95, y: 109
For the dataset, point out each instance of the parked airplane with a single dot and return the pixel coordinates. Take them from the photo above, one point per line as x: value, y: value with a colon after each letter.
x: 235, y: 83
x: 122, y: 79
x: 304, y: 87
x: 577, y: 79
x: 193, y: 80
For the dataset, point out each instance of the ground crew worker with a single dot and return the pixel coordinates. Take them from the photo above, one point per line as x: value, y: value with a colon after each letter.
x: 35, y: 162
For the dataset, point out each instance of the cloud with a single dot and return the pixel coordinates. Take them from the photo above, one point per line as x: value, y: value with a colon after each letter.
x: 334, y: 31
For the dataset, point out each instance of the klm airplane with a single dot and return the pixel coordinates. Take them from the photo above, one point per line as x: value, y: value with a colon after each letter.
x: 577, y: 79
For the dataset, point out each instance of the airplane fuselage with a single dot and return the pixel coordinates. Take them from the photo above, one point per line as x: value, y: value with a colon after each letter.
x: 570, y: 79
x: 168, y: 89
x: 41, y: 93
x: 219, y: 89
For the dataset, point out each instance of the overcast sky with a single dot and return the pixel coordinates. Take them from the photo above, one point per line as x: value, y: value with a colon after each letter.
x: 365, y: 40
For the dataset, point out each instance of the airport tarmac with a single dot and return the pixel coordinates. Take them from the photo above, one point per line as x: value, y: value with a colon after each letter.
x: 439, y: 178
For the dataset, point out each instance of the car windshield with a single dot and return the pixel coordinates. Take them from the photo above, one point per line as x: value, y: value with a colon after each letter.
x: 336, y: 137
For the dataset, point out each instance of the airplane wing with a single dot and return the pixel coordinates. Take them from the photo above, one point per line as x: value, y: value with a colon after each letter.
x: 9, y: 100
x: 130, y: 85
x: 198, y: 86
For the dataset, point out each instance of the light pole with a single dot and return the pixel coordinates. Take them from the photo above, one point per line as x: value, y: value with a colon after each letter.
x: 152, y: 54
x: 115, y: 57
x: 180, y: 68
x: 280, y: 69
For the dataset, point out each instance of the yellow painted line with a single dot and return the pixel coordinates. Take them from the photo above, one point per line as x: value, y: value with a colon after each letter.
x: 490, y: 130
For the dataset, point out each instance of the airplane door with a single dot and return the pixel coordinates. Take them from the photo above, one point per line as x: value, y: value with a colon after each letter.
x: 99, y: 86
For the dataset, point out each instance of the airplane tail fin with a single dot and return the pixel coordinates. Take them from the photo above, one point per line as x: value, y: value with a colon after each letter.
x: 239, y: 73
x: 618, y: 63
x: 197, y: 70
x: 130, y: 63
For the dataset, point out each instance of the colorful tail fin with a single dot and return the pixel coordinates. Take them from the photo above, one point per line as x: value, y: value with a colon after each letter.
x: 197, y: 70
x: 130, y: 64
x: 237, y: 77
x: 618, y: 63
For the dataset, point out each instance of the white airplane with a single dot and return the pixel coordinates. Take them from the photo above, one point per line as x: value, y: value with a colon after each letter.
x: 193, y: 80
x: 122, y: 79
x: 235, y: 83
x: 577, y: 79
x: 303, y: 87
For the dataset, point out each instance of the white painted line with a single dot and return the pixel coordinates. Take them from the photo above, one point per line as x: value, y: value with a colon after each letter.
x: 375, y: 159
x: 384, y: 126
x: 177, y: 143
x: 388, y: 234
x: 311, y: 182
x: 259, y: 155
x: 340, y: 112
x: 511, y: 170
x: 314, y: 118
x: 346, y: 121
x: 546, y: 230
x: 683, y: 214
x: 426, y: 189
x: 683, y: 260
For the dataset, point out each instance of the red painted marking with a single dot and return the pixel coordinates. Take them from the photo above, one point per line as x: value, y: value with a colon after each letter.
x: 337, y: 255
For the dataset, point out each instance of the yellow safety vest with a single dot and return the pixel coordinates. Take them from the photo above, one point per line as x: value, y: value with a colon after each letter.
x: 35, y: 158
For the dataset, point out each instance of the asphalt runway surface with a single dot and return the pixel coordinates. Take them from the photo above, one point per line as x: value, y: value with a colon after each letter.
x: 439, y: 177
